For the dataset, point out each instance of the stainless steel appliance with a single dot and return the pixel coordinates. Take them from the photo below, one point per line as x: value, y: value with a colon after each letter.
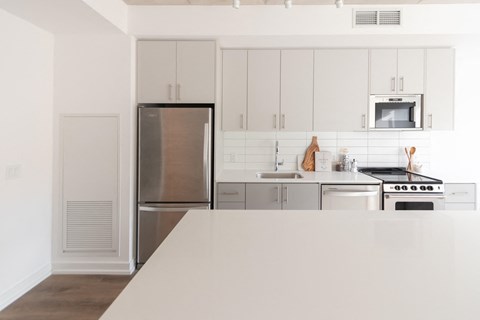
x: 401, y: 112
x: 351, y: 197
x: 174, y: 168
x: 404, y: 190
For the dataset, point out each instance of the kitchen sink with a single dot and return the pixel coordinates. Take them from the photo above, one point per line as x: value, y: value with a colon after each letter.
x: 279, y: 175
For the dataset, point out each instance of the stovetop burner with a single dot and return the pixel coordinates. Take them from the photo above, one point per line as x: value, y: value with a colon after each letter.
x: 396, y: 179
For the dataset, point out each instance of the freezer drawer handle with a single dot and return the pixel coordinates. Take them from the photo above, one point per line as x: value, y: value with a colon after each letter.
x: 153, y: 209
x: 230, y: 193
x: 350, y: 193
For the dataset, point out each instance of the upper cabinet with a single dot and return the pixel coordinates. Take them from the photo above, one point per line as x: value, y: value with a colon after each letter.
x: 263, y: 90
x: 439, y: 89
x: 175, y: 71
x: 397, y: 71
x: 296, y: 95
x: 234, y: 90
x: 341, y: 89
x: 267, y: 90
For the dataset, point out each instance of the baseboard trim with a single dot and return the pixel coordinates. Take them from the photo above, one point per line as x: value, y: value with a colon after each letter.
x: 91, y: 267
x: 23, y: 286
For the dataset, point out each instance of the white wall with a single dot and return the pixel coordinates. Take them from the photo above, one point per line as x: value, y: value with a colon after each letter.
x: 93, y: 76
x: 26, y: 92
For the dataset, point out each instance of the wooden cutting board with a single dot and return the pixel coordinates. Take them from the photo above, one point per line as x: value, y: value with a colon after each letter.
x: 309, y: 160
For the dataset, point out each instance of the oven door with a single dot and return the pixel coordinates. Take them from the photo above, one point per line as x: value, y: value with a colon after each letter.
x: 406, y: 202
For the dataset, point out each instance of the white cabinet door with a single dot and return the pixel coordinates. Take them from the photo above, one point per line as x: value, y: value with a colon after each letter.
x: 263, y: 90
x: 263, y: 196
x: 296, y: 104
x: 300, y: 196
x: 383, y: 71
x: 195, y: 71
x: 234, y: 90
x: 341, y: 89
x: 156, y: 71
x: 410, y: 75
x: 440, y: 89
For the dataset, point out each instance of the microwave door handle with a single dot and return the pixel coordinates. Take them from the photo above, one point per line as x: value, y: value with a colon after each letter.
x: 412, y: 114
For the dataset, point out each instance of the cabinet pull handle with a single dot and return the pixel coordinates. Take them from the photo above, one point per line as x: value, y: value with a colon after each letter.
x: 283, y: 121
x: 274, y: 121
x: 277, y: 189
x: 430, y: 121
x: 242, y: 120
x: 393, y: 84
x: 286, y: 194
x: 178, y: 91
x: 364, y: 121
x: 401, y: 84
x: 459, y: 193
x: 230, y: 193
x: 170, y: 87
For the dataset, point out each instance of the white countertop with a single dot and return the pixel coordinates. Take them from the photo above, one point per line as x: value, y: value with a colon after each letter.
x: 284, y: 265
x: 334, y: 177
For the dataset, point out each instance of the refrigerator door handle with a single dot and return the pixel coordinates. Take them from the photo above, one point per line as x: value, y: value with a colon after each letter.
x: 160, y: 209
x: 206, y: 156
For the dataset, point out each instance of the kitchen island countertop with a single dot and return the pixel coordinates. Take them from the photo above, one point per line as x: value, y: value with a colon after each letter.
x: 333, y: 177
x: 237, y: 265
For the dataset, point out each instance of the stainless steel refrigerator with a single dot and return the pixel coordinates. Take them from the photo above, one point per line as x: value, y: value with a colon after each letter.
x: 174, y: 169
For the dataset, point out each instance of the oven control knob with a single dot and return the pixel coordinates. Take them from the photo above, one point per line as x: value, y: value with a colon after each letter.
x: 423, y: 188
x: 414, y: 188
x: 430, y: 188
x: 397, y: 188
x: 404, y: 188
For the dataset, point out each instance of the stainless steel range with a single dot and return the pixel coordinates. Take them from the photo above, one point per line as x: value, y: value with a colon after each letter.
x: 404, y: 190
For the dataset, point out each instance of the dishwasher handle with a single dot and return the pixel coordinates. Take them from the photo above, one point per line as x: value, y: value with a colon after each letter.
x: 350, y: 193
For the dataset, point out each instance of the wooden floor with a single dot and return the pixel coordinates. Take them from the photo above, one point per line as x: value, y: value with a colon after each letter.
x: 67, y: 297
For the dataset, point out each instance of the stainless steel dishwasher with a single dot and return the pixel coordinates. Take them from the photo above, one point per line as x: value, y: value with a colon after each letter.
x: 351, y: 197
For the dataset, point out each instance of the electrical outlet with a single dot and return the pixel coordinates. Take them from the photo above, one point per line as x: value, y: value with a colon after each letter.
x: 12, y: 172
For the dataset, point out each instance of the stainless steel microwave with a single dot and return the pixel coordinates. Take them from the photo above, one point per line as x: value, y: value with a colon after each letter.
x: 399, y: 112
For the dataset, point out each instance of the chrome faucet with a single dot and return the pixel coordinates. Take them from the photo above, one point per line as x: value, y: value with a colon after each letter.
x: 277, y: 163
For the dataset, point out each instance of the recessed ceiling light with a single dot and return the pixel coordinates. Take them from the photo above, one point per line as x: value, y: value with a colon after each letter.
x: 236, y: 4
x: 288, y: 4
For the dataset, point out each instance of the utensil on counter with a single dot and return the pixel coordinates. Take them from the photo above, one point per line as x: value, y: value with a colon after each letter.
x: 410, y: 154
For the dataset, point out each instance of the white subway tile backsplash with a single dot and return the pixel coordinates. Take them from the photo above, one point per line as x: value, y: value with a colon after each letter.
x: 322, y: 135
x: 291, y: 135
x: 383, y: 142
x: 233, y: 143
x: 352, y: 135
x: 234, y: 135
x: 325, y: 143
x: 256, y: 150
x: 260, y: 135
x: 292, y: 143
x: 382, y: 158
x: 383, y: 135
x: 414, y: 135
x: 260, y: 143
x: 383, y: 150
x: 345, y: 143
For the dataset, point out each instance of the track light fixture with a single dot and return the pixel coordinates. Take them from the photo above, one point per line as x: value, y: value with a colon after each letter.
x: 339, y: 3
x: 236, y: 4
x: 288, y: 4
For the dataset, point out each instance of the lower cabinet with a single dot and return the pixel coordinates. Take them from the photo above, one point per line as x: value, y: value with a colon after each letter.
x: 231, y: 196
x: 291, y: 196
x: 460, y: 196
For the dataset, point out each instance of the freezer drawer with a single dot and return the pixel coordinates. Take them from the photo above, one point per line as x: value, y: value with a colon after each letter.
x: 155, y: 222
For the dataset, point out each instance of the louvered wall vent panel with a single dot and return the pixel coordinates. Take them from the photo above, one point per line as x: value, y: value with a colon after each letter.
x: 389, y: 17
x: 377, y: 18
x: 89, y: 226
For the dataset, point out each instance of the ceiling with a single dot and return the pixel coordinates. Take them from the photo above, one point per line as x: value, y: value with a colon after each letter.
x: 295, y: 2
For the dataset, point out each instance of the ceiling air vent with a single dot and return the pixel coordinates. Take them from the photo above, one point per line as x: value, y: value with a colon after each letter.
x: 377, y: 18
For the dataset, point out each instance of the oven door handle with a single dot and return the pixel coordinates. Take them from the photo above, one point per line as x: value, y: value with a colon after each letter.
x: 429, y: 196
